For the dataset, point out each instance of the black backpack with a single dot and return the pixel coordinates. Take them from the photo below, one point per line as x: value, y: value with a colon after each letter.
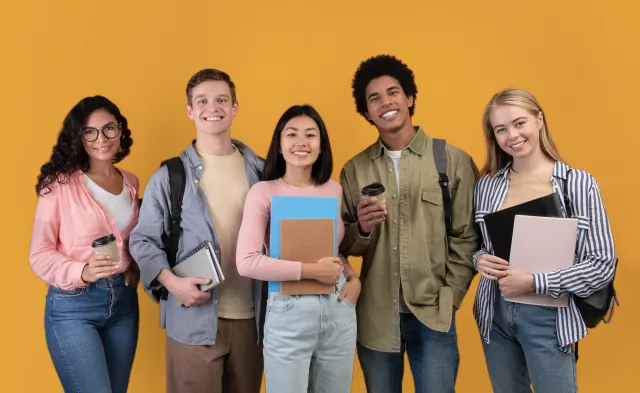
x: 440, y: 159
x: 177, y: 183
x: 599, y: 306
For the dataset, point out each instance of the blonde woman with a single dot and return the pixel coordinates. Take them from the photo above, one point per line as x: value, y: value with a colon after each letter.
x: 529, y: 344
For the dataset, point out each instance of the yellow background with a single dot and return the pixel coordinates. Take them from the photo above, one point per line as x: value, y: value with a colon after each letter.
x: 580, y: 58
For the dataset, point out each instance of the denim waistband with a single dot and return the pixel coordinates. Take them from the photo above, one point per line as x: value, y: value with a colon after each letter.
x: 108, y: 282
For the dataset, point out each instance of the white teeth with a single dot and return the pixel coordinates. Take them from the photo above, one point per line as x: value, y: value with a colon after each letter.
x: 517, y: 145
x: 301, y: 153
x: 389, y: 114
x: 103, y: 148
x: 214, y: 118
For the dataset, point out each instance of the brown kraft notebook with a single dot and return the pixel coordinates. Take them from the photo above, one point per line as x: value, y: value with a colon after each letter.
x: 307, y: 241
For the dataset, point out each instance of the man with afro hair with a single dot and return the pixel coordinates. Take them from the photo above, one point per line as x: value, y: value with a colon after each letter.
x: 417, y: 260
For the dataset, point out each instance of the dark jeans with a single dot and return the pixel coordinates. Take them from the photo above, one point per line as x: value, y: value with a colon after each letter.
x: 433, y: 358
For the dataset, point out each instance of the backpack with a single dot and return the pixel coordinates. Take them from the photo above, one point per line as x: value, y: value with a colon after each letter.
x: 440, y: 158
x: 177, y: 183
x: 595, y: 307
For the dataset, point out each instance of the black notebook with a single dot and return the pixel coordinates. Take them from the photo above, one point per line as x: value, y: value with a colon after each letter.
x: 500, y: 224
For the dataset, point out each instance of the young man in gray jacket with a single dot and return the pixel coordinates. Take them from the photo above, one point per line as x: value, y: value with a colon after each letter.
x: 214, y: 337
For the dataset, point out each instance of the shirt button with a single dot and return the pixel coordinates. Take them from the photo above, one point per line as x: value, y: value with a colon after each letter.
x: 395, y: 221
x: 390, y: 169
x: 196, y: 181
x: 393, y: 196
x: 395, y: 274
x: 215, y: 301
x: 395, y: 300
x: 395, y: 248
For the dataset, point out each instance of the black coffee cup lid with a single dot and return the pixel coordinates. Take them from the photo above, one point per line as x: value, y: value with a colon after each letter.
x: 103, y: 240
x: 373, y: 189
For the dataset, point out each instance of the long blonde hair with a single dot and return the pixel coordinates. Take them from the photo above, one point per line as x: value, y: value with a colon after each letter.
x: 496, y: 157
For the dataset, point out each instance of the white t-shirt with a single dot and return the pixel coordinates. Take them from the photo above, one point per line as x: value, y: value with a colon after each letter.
x: 118, y: 205
x: 395, y: 157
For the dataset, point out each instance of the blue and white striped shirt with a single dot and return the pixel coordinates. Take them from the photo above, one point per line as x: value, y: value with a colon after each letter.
x: 595, y: 254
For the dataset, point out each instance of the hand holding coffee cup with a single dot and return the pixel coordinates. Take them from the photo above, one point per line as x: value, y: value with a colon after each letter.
x: 105, y: 260
x: 372, y: 209
x: 100, y: 266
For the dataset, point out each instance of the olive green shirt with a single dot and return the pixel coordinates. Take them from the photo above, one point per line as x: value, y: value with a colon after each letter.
x: 411, y: 247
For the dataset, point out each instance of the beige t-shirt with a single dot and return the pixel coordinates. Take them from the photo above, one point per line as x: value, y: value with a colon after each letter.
x: 524, y: 189
x: 224, y: 182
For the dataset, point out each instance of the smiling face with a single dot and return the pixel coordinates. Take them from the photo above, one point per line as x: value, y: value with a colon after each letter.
x: 98, y: 146
x: 212, y: 107
x: 517, y: 130
x: 387, y: 105
x: 300, y: 142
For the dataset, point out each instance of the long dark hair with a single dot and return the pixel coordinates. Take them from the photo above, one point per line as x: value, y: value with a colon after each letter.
x: 275, y: 165
x: 69, y: 155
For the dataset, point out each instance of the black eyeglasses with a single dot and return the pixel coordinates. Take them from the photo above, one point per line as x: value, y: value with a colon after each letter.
x: 110, y: 131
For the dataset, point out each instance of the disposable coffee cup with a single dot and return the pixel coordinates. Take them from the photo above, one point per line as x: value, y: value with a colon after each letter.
x: 107, y: 245
x: 375, y: 189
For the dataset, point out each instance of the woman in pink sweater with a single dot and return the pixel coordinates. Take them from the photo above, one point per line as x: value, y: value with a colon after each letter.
x: 91, y: 315
x: 309, y: 340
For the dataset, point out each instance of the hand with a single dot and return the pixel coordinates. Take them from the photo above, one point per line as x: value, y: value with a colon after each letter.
x: 371, y: 212
x: 132, y: 277
x: 516, y: 282
x: 326, y: 270
x: 351, y: 290
x: 99, y: 266
x: 185, y: 289
x: 492, y: 267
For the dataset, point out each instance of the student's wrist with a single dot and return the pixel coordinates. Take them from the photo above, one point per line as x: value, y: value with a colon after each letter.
x: 363, y: 233
x: 308, y: 271
x: 166, y: 278
x: 352, y: 277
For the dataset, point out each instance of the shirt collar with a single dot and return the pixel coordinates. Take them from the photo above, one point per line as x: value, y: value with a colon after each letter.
x: 417, y: 145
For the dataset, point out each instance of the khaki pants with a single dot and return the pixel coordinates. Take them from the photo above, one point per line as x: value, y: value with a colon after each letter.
x: 233, y: 365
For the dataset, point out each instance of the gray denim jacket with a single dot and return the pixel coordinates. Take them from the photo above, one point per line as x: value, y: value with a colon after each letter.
x: 188, y: 325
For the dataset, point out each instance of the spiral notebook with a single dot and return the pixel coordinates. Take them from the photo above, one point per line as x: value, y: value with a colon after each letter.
x: 201, y: 262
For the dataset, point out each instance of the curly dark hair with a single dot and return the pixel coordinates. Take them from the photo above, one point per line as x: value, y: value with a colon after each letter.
x: 375, y: 67
x: 69, y: 155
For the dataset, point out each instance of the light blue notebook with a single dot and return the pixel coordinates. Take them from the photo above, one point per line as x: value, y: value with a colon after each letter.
x: 294, y: 207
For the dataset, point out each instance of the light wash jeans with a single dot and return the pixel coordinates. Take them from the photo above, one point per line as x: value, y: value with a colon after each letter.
x: 92, y: 333
x: 524, y: 349
x: 309, y: 343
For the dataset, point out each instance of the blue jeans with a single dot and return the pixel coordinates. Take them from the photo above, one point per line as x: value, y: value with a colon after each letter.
x: 92, y: 333
x: 309, y: 344
x: 433, y: 358
x: 524, y: 348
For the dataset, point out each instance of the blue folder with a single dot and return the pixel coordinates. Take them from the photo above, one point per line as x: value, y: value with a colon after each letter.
x: 300, y: 208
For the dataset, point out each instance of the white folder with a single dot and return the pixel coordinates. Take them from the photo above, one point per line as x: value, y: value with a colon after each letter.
x: 542, y: 245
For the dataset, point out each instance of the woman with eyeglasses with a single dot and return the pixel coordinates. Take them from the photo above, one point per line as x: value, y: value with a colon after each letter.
x: 79, y: 247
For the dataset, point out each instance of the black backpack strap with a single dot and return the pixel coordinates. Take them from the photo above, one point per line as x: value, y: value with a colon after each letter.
x: 440, y: 158
x: 565, y: 195
x: 177, y: 183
